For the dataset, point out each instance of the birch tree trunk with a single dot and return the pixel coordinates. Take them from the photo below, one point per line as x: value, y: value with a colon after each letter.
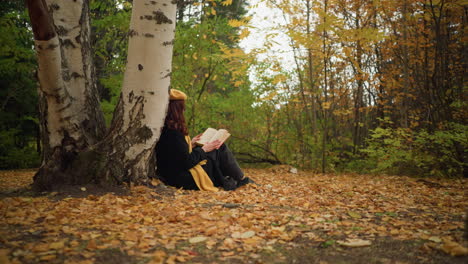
x: 72, y: 122
x: 141, y: 110
x: 71, y: 119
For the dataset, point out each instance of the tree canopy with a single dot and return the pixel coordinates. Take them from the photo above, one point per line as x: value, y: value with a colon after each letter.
x: 372, y: 86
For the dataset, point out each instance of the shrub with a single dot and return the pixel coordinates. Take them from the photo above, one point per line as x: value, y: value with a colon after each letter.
x: 422, y: 153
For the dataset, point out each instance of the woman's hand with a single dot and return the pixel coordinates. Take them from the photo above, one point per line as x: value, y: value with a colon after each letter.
x: 195, y: 139
x: 208, y: 147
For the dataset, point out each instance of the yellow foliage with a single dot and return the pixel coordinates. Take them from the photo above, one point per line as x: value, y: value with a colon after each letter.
x: 238, y: 83
x: 244, y: 33
x: 226, y: 2
x: 236, y: 23
x: 279, y: 78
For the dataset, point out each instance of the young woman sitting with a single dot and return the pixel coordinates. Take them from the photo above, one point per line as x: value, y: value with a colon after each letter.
x: 182, y: 164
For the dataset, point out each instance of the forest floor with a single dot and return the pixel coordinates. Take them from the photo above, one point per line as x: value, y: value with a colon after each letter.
x: 287, y: 218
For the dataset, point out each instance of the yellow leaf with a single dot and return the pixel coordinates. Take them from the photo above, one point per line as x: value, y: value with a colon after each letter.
x: 236, y: 23
x: 47, y: 257
x: 158, y: 257
x: 131, y: 236
x: 354, y: 243
x: 171, y: 259
x: 354, y: 214
x: 40, y: 247
x: 228, y: 254
x: 91, y: 245
x: 229, y: 243
x: 57, y: 245
x: 226, y: 2
x: 454, y: 249
x: 4, y: 256
x: 244, y: 33
x: 248, y: 234
x: 213, y: 11
x: 198, y: 239
x: 238, y: 83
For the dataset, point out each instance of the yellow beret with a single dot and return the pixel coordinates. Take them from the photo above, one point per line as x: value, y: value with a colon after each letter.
x: 177, y: 95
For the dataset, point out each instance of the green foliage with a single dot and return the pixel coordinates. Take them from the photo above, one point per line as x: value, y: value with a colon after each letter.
x: 420, y: 153
x: 18, y: 96
x: 110, y: 25
x: 12, y: 156
x: 113, y: 85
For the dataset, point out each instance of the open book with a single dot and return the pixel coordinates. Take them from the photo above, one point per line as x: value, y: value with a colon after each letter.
x: 212, y: 134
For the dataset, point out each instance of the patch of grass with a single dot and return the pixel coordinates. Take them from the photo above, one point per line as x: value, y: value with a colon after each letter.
x: 392, y: 214
x: 327, y: 243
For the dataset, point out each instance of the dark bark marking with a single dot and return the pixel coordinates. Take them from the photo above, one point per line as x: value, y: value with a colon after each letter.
x: 152, y: 93
x: 167, y: 43
x: 51, y: 46
x: 65, y: 107
x: 159, y: 17
x: 153, y: 2
x: 54, y: 7
x: 167, y: 75
x: 140, y: 67
x: 148, y: 35
x: 75, y: 75
x: 132, y: 33
x: 144, y: 133
x: 164, y: 4
x: 78, y: 39
x: 61, y: 31
x: 66, y: 75
x: 67, y: 43
x: 130, y: 97
x: 67, y: 118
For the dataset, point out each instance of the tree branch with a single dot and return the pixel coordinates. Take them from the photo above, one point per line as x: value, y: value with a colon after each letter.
x: 42, y: 24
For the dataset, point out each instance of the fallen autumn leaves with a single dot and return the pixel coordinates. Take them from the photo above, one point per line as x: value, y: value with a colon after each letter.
x: 289, y: 218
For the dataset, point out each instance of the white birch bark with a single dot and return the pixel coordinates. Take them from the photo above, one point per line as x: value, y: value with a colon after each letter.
x: 71, y: 118
x: 71, y: 20
x: 66, y: 79
x: 59, y: 119
x: 140, y: 113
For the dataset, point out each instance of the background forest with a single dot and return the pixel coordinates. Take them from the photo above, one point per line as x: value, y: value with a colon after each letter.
x: 375, y: 86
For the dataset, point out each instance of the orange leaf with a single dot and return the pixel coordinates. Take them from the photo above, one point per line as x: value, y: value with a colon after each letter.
x: 91, y: 245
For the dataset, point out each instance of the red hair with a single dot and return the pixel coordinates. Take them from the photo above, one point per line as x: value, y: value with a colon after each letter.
x: 175, y: 116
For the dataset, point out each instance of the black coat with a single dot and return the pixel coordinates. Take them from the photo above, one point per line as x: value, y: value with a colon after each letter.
x: 173, y: 161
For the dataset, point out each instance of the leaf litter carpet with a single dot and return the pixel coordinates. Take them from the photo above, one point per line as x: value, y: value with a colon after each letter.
x: 287, y: 218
